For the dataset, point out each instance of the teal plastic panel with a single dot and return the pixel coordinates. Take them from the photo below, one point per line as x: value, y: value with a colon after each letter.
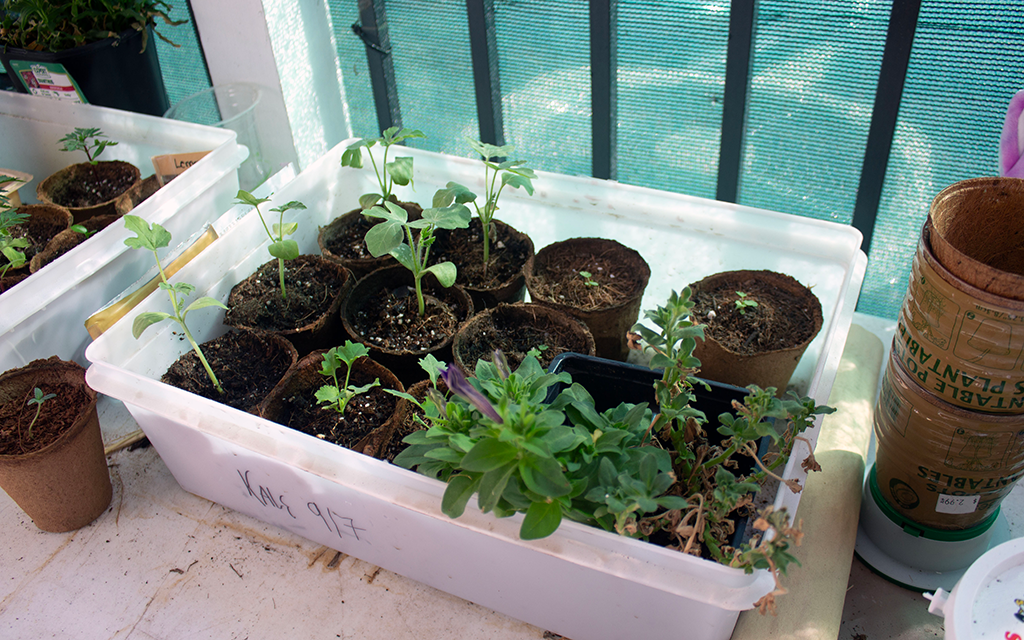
x: 183, y: 67
x: 355, y: 72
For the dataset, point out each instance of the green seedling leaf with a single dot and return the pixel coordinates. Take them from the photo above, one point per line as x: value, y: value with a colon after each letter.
x: 453, y: 192
x: 147, y: 237
x: 284, y: 249
x: 367, y: 200
x: 400, y: 170
x: 445, y: 272
x: 144, y: 320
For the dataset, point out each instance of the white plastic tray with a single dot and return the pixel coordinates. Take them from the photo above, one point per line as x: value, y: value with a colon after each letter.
x: 580, y: 582
x: 45, y: 314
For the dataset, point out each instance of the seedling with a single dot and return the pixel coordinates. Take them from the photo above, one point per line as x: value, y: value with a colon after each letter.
x: 394, y: 236
x: 88, y: 140
x: 512, y: 173
x: 338, y: 396
x: 10, y: 246
x: 80, y: 228
x: 588, y: 279
x: 280, y: 247
x: 390, y: 173
x: 38, y: 399
x: 153, y: 238
x: 743, y: 303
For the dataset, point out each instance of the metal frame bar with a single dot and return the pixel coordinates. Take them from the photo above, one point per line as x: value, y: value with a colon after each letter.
x: 603, y: 87
x: 891, y: 77
x: 374, y: 32
x: 742, y: 15
x: 483, y: 47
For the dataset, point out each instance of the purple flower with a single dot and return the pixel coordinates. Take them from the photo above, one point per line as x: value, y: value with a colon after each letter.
x: 458, y: 385
x: 501, y: 364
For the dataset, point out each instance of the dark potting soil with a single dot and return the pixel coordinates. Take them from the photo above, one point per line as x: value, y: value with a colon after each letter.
x: 779, y: 321
x: 516, y: 339
x: 97, y: 184
x: 246, y: 364
x: 351, y: 245
x: 610, y: 282
x: 56, y: 416
x: 390, y: 320
x: 257, y: 303
x: 38, y: 233
x: 363, y: 414
x: 465, y: 249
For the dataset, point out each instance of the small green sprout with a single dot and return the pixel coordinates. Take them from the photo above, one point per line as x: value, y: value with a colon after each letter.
x: 38, y: 399
x: 80, y: 228
x: 338, y: 396
x: 153, y: 238
x: 399, y: 171
x: 280, y: 247
x: 743, y: 303
x: 588, y: 279
x: 87, y: 140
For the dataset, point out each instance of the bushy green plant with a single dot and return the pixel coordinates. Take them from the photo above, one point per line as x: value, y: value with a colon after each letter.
x: 337, y: 396
x: 398, y: 171
x: 57, y: 25
x: 89, y: 140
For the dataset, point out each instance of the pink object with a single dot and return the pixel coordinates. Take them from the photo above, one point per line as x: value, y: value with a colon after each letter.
x: 1011, y: 145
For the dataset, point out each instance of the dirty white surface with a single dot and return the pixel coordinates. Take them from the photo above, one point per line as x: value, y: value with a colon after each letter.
x: 163, y: 564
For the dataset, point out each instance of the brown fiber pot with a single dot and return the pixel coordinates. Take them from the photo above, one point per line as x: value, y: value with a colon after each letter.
x: 978, y: 233
x: 768, y: 368
x: 55, y: 188
x: 608, y: 324
x: 67, y: 240
x: 45, y: 222
x: 539, y: 325
x: 65, y: 485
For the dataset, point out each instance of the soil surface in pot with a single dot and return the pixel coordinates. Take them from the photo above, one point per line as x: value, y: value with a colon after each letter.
x: 256, y: 301
x: 465, y: 249
x: 350, y: 242
x: 363, y: 414
x: 779, y: 321
x: 515, y: 339
x: 246, y: 364
x: 56, y: 416
x: 391, y: 321
x: 96, y: 184
x: 38, y: 232
x: 609, y: 284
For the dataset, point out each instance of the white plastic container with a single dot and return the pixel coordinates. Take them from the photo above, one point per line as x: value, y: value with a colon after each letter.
x: 45, y: 315
x: 580, y: 582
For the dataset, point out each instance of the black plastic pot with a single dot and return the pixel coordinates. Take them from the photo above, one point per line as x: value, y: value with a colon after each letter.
x: 110, y: 73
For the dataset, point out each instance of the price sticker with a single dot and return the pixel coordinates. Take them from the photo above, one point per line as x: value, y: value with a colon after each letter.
x: 957, y: 504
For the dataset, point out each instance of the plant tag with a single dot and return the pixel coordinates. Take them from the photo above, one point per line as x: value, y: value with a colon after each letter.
x: 49, y: 80
x: 957, y: 504
x: 172, y: 165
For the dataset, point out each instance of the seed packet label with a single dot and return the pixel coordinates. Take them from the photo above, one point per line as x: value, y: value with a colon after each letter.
x: 49, y: 80
x: 957, y: 504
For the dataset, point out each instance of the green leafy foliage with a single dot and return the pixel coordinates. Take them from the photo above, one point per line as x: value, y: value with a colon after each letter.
x: 281, y: 247
x: 38, y: 398
x: 57, y: 25
x: 743, y: 303
x: 398, y: 171
x: 394, y: 235
x: 89, y: 140
x: 152, y: 238
x: 337, y: 396
x: 498, y: 173
x: 12, y: 257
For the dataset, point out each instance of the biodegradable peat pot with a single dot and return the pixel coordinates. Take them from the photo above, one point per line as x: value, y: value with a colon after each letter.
x: 609, y: 308
x: 59, y: 477
x: 343, y: 241
x: 87, y: 189
x: 505, y: 280
x: 978, y: 234
x: 248, y: 365
x: 368, y: 418
x: 760, y: 344
x: 517, y: 328
x: 68, y: 239
x: 381, y: 312
x: 44, y: 223
x: 309, y: 317
x: 136, y: 195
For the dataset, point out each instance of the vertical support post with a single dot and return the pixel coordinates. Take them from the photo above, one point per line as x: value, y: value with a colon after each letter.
x: 891, y: 77
x: 604, y: 86
x: 742, y: 15
x: 374, y: 32
x: 483, y: 47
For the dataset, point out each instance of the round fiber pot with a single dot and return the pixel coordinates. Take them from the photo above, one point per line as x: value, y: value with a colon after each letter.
x: 504, y: 281
x: 45, y: 222
x: 368, y: 418
x: 139, y: 193
x: 343, y: 241
x: 64, y: 483
x: 978, y: 234
x: 761, y: 344
x: 610, y: 306
x: 308, y: 318
x: 517, y: 328
x: 67, y: 240
x: 382, y: 312
x: 89, y: 190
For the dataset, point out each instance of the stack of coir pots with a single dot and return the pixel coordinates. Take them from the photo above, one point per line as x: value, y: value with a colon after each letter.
x: 949, y: 421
